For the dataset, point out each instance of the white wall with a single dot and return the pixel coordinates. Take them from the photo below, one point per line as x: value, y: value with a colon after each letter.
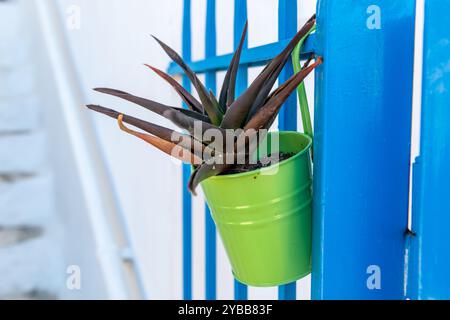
x: 109, y: 48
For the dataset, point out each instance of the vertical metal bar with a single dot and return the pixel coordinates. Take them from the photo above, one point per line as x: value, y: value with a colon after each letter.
x: 210, y: 228
x: 187, y: 200
x: 288, y: 291
x: 429, y: 262
x: 287, y: 120
x: 362, y: 148
x: 240, y: 17
x: 287, y: 28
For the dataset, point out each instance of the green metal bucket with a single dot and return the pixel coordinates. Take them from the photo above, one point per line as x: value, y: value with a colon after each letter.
x: 264, y: 216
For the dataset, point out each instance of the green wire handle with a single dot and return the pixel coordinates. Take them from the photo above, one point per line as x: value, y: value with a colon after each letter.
x: 301, y: 90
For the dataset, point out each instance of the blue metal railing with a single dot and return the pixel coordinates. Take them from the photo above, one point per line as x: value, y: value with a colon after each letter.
x: 240, y: 17
x: 288, y: 120
x: 187, y: 200
x: 210, y: 228
x: 362, y: 148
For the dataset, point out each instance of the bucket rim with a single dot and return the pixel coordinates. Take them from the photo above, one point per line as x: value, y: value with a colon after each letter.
x: 279, y: 164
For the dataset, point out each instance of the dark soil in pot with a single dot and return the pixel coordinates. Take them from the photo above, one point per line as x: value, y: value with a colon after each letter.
x: 264, y: 162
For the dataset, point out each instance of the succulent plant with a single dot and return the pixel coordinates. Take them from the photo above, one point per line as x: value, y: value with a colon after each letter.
x: 255, y: 109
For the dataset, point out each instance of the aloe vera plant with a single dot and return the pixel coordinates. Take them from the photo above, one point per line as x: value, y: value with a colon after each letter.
x: 254, y: 110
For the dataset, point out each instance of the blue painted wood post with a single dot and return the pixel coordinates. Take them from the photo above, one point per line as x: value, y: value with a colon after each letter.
x: 187, y: 199
x: 210, y: 228
x: 429, y: 263
x: 362, y: 148
x: 287, y: 120
x: 240, y: 17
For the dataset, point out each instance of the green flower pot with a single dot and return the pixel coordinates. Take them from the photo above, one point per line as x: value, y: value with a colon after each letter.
x: 264, y: 216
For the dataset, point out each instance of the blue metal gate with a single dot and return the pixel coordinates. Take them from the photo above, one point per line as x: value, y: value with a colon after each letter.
x: 362, y: 147
x: 251, y: 57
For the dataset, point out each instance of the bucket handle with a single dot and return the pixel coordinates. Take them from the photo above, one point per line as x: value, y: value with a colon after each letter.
x: 301, y: 90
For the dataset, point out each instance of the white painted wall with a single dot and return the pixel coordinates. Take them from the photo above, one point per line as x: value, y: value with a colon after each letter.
x: 109, y: 48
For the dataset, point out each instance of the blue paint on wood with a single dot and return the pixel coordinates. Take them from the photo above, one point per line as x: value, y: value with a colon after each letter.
x: 252, y: 57
x: 240, y: 17
x: 362, y: 147
x: 210, y: 228
x: 429, y: 263
x: 187, y: 199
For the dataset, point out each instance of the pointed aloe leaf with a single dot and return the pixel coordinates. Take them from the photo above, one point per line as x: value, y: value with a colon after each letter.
x: 194, y: 114
x: 208, y: 169
x: 216, y: 103
x: 265, y: 115
x: 169, y: 135
x: 190, y: 101
x: 167, y: 147
x: 261, y: 120
x: 262, y: 95
x: 204, y: 172
x: 287, y: 82
x: 238, y: 111
x: 177, y: 117
x: 227, y: 94
x: 284, y: 85
x: 213, y: 113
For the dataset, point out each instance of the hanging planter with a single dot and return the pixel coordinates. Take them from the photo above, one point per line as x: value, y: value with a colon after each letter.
x: 264, y: 216
x: 260, y: 200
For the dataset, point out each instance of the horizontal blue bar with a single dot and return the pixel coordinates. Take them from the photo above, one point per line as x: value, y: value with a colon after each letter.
x: 252, y: 57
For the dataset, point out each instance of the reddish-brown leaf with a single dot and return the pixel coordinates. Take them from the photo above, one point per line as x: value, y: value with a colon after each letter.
x: 213, y: 113
x: 260, y: 88
x: 190, y: 101
x: 167, y: 147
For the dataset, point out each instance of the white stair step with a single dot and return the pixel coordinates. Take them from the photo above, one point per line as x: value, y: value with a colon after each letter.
x: 22, y: 154
x: 33, y: 265
x: 10, y: 20
x: 19, y: 114
x: 28, y: 201
x: 15, y: 235
x: 13, y: 53
x: 17, y: 82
